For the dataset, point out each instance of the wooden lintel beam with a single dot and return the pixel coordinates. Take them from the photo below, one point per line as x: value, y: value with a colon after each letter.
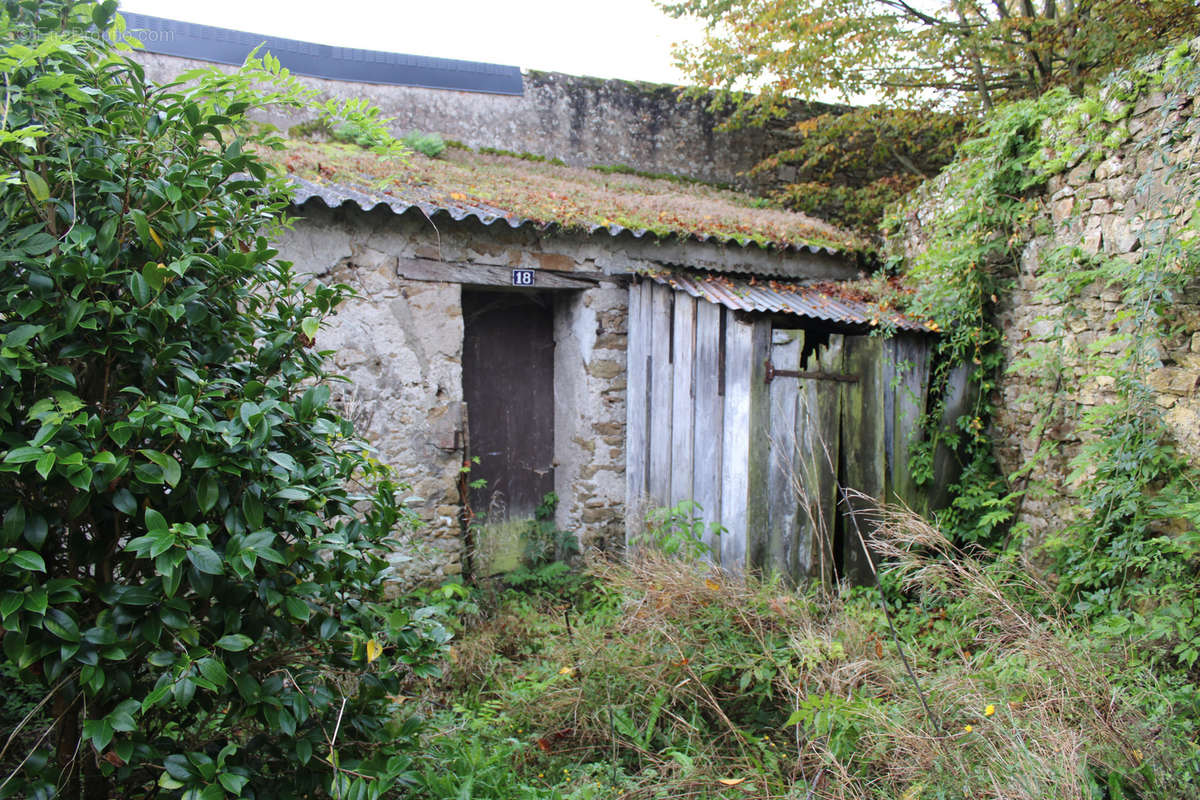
x: 426, y: 269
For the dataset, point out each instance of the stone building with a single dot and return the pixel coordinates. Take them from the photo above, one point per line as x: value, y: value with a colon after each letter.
x: 488, y: 351
x: 488, y: 342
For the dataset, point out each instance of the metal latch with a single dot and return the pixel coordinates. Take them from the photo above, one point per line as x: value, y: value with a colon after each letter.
x: 771, y: 374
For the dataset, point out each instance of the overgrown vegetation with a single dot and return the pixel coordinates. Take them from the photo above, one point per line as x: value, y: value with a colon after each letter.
x: 665, y: 679
x: 574, y: 198
x: 192, y: 540
x: 1125, y: 559
x: 931, y: 68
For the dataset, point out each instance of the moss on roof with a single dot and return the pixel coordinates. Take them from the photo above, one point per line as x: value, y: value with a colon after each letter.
x: 574, y: 197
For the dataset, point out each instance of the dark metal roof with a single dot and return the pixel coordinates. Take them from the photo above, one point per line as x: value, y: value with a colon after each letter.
x: 778, y: 297
x: 334, y: 195
x: 224, y: 46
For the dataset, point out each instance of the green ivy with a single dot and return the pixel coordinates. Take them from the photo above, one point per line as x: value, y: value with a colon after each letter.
x: 987, y: 201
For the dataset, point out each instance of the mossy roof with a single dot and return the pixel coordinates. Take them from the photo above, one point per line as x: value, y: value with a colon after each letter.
x: 525, y: 191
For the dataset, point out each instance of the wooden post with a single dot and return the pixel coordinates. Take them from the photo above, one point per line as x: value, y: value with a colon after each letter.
x: 683, y: 399
x: 735, y: 450
x: 759, y: 457
x: 863, y: 452
x: 661, y: 389
x: 912, y: 390
x: 709, y: 421
x: 637, y: 409
x: 783, y: 490
x: 818, y: 436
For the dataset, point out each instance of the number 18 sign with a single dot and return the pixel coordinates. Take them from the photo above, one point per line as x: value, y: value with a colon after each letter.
x: 522, y: 277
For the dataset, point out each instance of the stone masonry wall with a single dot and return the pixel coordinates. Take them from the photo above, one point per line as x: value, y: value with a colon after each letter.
x: 1119, y: 201
x: 584, y: 121
x: 400, y: 345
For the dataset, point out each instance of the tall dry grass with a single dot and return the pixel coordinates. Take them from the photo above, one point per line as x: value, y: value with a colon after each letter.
x: 703, y: 671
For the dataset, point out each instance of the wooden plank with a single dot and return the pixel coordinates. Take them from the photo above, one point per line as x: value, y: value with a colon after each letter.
x: 961, y: 394
x: 735, y: 447
x: 912, y: 391
x: 759, y: 465
x: 683, y: 399
x: 427, y: 269
x: 636, y: 411
x: 818, y: 439
x: 709, y: 422
x: 887, y: 370
x: 863, y: 452
x: 782, y: 494
x: 661, y: 386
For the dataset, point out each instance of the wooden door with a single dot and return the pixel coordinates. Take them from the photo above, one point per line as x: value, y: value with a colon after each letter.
x: 508, y: 385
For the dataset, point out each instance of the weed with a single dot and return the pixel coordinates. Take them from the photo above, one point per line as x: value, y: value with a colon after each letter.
x: 429, y: 144
x: 678, y: 530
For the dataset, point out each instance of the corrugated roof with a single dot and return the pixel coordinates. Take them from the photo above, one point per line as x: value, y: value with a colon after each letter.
x: 225, y: 46
x: 819, y: 301
x: 335, y: 194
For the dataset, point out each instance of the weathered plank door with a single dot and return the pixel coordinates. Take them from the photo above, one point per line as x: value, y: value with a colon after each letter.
x: 508, y: 386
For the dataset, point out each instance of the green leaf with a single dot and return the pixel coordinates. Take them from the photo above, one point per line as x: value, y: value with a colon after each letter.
x: 11, y: 602
x: 20, y: 335
x: 61, y: 625
x: 297, y: 608
x: 171, y: 472
x: 205, y: 560
x: 155, y: 521
x: 233, y: 783
x: 309, y: 327
x: 234, y: 643
x: 37, y: 186
x: 28, y: 560
x: 124, y: 502
x: 45, y: 464
x: 153, y: 276
x: 207, y: 493
x: 23, y: 455
x: 214, y: 670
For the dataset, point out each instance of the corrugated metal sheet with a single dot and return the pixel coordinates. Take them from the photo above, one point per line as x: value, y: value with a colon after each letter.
x: 777, y: 297
x: 225, y: 46
x: 335, y: 195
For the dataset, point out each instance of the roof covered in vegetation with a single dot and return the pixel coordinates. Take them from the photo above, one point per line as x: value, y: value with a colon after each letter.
x: 527, y: 191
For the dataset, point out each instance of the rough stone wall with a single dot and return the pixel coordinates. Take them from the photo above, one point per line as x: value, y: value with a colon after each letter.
x: 589, y: 423
x: 584, y: 121
x: 1118, y: 202
x: 400, y: 343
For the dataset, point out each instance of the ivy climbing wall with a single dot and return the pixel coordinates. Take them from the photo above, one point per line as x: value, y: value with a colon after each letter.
x: 1097, y: 301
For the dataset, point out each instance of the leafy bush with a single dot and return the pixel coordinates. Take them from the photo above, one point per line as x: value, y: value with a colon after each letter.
x: 190, y: 550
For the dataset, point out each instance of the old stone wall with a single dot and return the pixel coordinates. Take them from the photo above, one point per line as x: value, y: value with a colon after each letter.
x: 1130, y: 196
x: 400, y: 344
x: 583, y: 121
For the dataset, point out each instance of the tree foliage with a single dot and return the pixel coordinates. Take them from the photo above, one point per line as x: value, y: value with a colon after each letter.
x: 964, y: 53
x: 912, y: 59
x: 190, y: 541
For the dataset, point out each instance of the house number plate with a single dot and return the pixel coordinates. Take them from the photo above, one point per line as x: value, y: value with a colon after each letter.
x: 522, y: 277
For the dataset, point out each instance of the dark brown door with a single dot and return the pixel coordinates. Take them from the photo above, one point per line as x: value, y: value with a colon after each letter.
x: 508, y: 385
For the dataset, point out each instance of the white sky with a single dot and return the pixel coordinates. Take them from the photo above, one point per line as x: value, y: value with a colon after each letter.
x: 628, y: 39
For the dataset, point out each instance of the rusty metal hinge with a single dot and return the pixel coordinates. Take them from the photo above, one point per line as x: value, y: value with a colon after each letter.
x: 771, y: 374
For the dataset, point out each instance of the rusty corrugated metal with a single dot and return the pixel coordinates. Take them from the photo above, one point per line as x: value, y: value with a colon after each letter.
x: 335, y: 195
x: 777, y: 297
